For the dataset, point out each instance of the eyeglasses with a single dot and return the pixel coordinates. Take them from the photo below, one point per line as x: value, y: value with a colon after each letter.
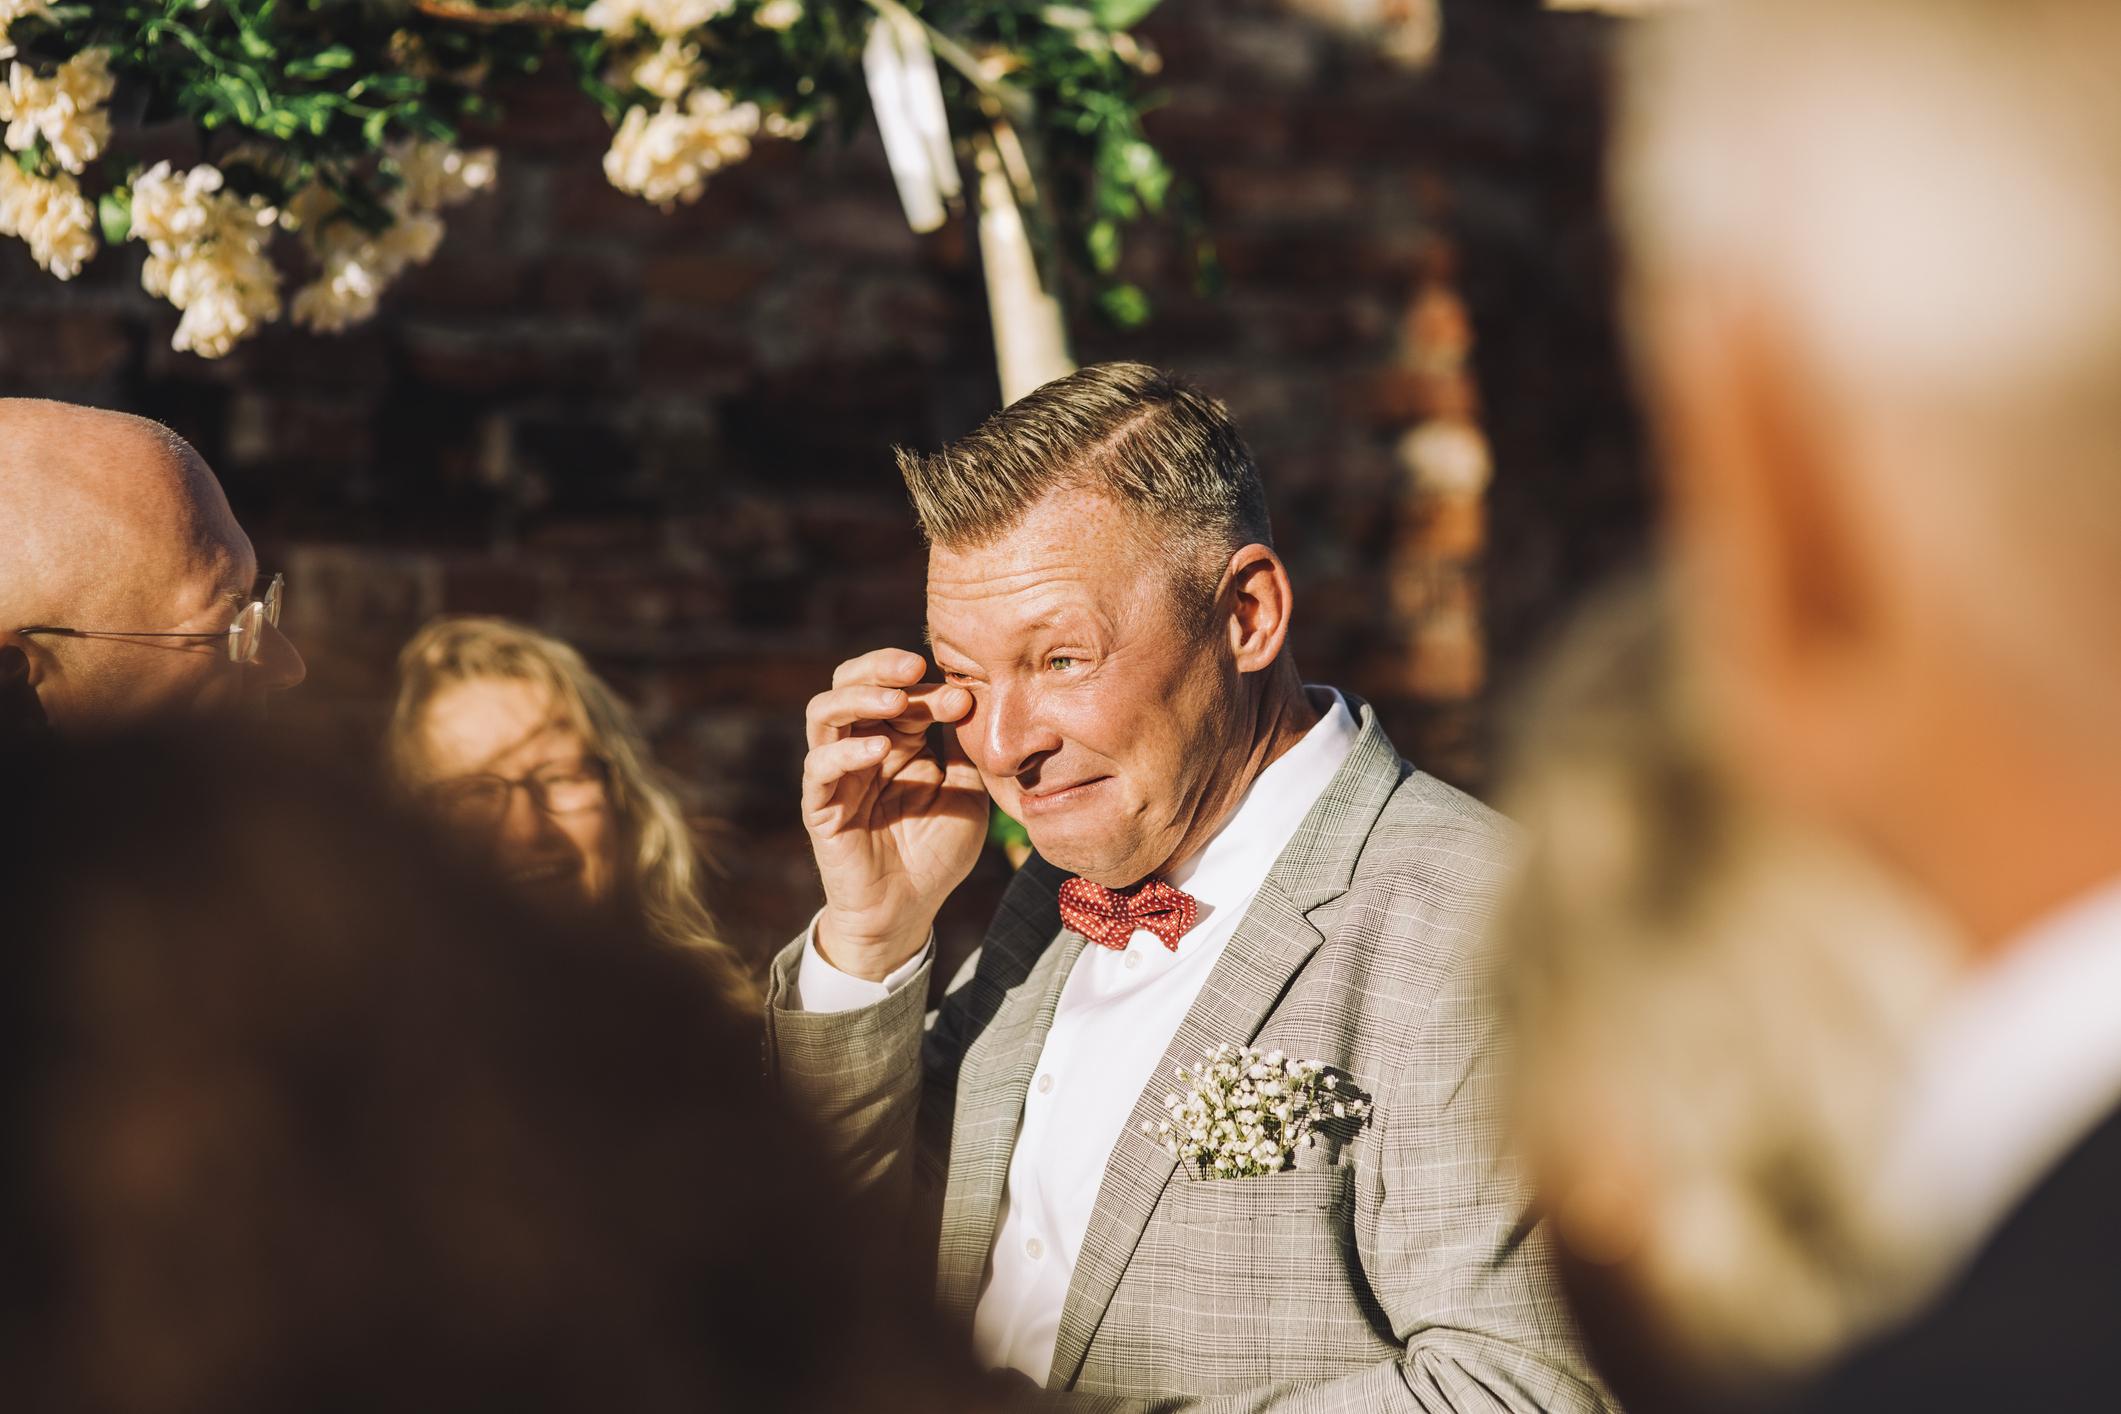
x: 245, y: 634
x: 480, y: 801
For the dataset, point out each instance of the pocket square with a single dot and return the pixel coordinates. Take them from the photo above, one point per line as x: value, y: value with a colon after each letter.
x: 1246, y: 1113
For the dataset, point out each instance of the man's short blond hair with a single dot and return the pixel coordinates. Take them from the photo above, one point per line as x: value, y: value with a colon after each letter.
x: 1142, y: 437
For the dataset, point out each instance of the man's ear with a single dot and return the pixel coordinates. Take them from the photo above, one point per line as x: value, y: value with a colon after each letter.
x: 1763, y: 517
x: 1258, y: 601
x: 21, y: 713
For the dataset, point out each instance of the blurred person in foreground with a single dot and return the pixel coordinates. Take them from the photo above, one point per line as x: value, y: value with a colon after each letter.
x: 127, y: 590
x: 305, y: 1115
x: 1711, y: 1007
x: 514, y: 743
x: 1875, y: 287
x: 1226, y: 857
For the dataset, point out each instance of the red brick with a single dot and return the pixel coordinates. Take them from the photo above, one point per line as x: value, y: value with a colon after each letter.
x: 703, y: 279
x: 1299, y: 194
x: 501, y: 361
x: 61, y: 345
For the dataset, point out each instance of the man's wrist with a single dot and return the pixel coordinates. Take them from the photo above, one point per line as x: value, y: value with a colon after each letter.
x: 872, y: 959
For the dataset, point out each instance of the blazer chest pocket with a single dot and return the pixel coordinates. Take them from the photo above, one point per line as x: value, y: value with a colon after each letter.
x: 1258, y: 1275
x: 1293, y: 1197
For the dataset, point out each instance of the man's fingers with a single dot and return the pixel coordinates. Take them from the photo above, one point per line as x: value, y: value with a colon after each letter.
x: 906, y: 711
x: 891, y: 667
x: 827, y: 765
x: 831, y: 713
x: 945, y: 702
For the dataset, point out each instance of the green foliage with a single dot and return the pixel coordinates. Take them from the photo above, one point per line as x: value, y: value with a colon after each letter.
x: 285, y: 93
x: 1004, y: 830
x: 114, y: 214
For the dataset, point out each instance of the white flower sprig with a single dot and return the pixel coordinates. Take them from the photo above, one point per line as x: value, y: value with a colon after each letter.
x: 1244, y: 1113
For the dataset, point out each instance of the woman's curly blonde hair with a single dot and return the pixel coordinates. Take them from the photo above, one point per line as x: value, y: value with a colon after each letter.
x: 659, y: 858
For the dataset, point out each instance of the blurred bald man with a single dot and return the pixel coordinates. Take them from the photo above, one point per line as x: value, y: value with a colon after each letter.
x: 1876, y: 270
x: 128, y: 593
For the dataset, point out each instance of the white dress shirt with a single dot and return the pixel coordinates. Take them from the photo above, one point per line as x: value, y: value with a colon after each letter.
x: 2021, y: 1065
x: 1117, y: 1014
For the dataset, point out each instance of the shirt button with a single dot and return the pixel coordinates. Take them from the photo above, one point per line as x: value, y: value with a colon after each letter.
x: 1034, y: 1249
x: 1134, y: 959
x: 1045, y: 1085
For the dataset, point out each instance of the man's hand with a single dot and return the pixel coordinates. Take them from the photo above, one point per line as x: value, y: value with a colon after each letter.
x: 895, y: 811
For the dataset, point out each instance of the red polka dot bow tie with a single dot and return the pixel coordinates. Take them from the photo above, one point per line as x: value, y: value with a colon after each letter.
x: 1108, y: 917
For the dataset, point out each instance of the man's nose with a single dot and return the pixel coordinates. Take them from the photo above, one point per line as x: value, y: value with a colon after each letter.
x: 278, y: 665
x: 1009, y: 732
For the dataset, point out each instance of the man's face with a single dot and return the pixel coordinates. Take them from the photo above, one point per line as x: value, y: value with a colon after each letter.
x: 113, y: 681
x: 1101, y: 719
x: 145, y: 544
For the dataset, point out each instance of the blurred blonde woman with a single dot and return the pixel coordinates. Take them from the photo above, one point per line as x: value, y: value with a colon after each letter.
x: 511, y: 739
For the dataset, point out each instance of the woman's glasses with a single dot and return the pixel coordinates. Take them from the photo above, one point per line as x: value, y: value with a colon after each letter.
x: 245, y: 633
x: 480, y: 802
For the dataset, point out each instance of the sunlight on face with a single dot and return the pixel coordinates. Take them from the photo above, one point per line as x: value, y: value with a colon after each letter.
x: 1100, y: 719
x: 513, y: 730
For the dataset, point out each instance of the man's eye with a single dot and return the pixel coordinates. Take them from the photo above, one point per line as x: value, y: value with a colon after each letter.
x: 1060, y: 662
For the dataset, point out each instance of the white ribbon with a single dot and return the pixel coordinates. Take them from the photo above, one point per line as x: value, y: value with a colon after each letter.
x: 907, y: 94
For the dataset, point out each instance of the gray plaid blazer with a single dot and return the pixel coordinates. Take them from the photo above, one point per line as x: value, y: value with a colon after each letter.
x: 1396, y: 1269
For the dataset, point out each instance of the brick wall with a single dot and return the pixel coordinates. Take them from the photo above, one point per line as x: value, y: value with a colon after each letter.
x: 666, y: 437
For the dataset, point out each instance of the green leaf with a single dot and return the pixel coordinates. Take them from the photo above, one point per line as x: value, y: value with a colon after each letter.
x: 1003, y: 830
x: 114, y: 212
x: 1122, y: 14
x: 325, y: 61
x: 1145, y: 171
x: 1102, y: 242
x: 1125, y: 305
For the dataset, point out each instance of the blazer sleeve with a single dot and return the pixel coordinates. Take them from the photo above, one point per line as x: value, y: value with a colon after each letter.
x: 878, y: 1085
x: 853, y: 1076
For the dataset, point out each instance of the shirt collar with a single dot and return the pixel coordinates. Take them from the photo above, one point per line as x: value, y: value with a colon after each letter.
x: 1228, y: 870
x: 2022, y: 1063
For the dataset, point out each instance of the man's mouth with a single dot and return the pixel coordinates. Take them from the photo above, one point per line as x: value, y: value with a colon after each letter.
x: 1054, y: 798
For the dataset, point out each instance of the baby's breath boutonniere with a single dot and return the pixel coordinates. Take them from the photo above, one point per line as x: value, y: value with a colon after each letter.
x: 1244, y: 1113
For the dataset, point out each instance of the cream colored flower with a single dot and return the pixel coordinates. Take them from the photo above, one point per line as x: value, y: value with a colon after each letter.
x: 669, y: 71
x: 356, y: 265
x: 437, y: 174
x: 780, y: 125
x: 668, y: 155
x: 206, y: 255
x: 779, y: 14
x: 67, y: 109
x: 672, y: 19
x: 12, y: 10
x: 51, y: 216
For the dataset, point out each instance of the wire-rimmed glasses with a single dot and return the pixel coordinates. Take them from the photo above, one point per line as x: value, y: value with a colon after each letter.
x: 245, y: 633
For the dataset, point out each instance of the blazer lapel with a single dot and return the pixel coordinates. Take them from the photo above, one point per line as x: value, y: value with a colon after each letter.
x: 1271, y: 945
x: 995, y: 1076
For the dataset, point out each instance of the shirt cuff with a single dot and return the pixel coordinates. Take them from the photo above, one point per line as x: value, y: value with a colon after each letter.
x: 821, y: 987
